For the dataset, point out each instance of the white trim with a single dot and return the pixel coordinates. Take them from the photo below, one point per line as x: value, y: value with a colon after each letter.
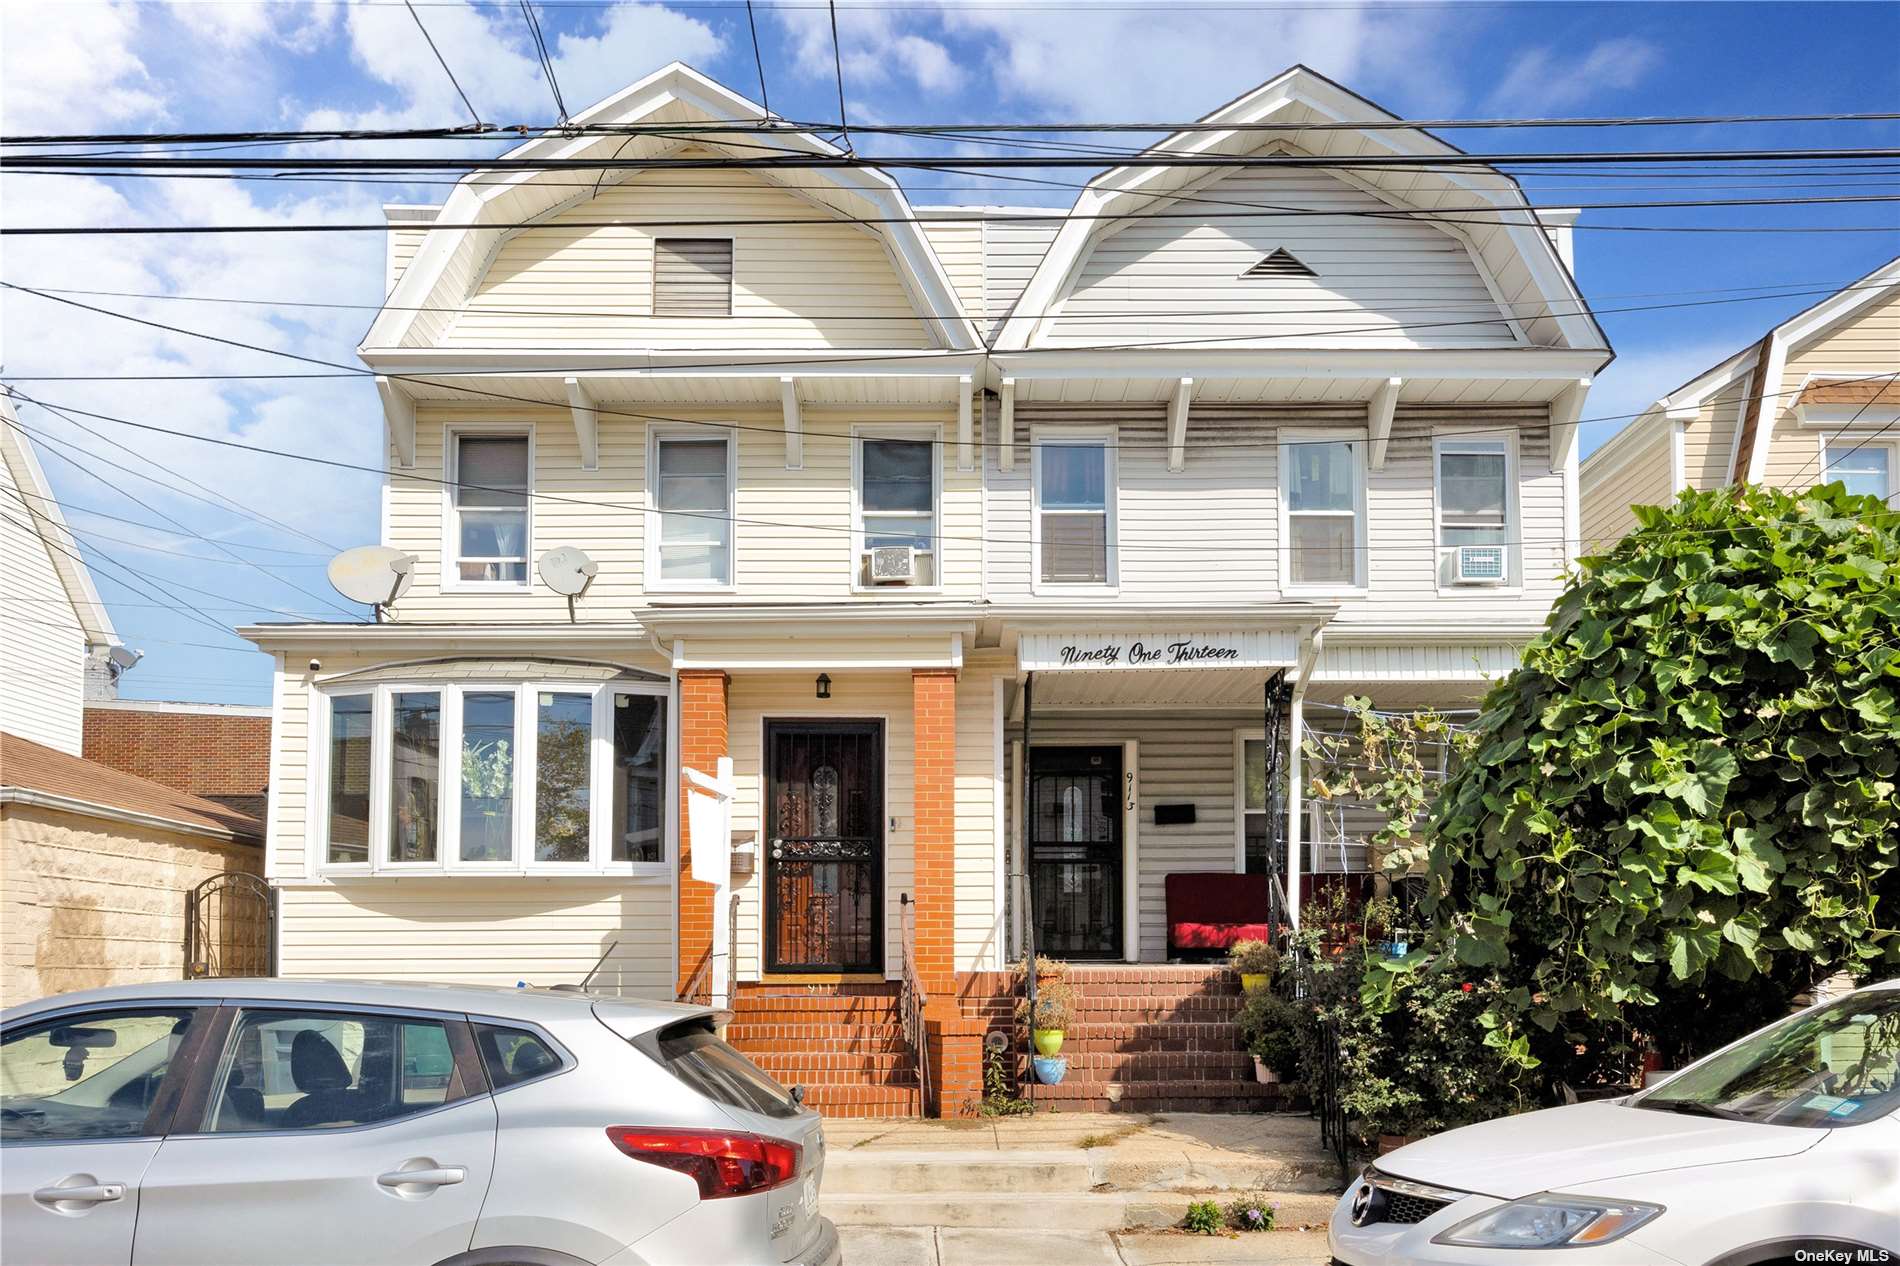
x: 1129, y: 796
x: 1678, y: 456
x: 999, y: 860
x: 710, y: 434
x: 399, y: 414
x: 1735, y: 432
x: 1767, y: 408
x: 1312, y: 360
x: 1006, y: 427
x: 1108, y: 438
x: 49, y: 524
x: 451, y: 579
x: 1379, y: 410
x: 794, y: 422
x: 181, y: 708
x: 1017, y: 845
x: 1241, y: 738
x: 1862, y: 440
x: 1845, y: 415
x: 1355, y: 438
x: 915, y: 432
x: 35, y: 799
x: 586, y: 423
x: 1478, y: 442
x: 1179, y: 404
x: 275, y: 772
x: 966, y: 390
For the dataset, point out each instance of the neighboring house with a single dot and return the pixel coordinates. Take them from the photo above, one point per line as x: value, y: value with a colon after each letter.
x: 56, y: 636
x: 95, y: 868
x: 1816, y: 399
x: 871, y: 493
x: 220, y: 751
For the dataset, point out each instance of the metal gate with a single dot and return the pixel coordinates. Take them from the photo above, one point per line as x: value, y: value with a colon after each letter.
x: 228, y: 927
x: 1075, y: 850
x: 824, y: 875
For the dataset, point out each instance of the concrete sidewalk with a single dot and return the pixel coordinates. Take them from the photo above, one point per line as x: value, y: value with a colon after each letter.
x: 974, y: 1246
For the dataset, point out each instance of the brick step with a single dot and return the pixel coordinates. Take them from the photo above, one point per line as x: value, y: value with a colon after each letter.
x: 1199, y: 1067
x: 814, y: 1015
x: 796, y: 1067
x: 1160, y: 1096
x: 861, y: 1100
x: 811, y: 1035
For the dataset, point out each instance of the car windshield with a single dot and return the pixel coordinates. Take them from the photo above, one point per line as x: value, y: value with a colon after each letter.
x: 1835, y: 1065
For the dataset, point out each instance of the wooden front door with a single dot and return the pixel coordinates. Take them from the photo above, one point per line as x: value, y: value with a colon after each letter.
x: 1075, y: 851
x: 824, y: 869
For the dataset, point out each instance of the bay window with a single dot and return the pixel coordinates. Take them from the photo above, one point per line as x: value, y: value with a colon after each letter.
x: 1322, y: 486
x: 490, y: 502
x: 897, y: 501
x: 508, y: 778
x: 689, y: 537
x: 1075, y: 510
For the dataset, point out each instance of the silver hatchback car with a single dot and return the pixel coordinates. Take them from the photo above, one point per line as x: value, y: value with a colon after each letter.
x: 313, y: 1123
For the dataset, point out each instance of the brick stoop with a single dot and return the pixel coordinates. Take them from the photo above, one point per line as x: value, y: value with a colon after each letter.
x: 1148, y: 1038
x: 843, y: 1043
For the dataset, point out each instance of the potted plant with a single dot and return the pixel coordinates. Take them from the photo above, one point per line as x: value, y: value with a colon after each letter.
x: 1050, y: 1069
x: 1054, y: 1006
x: 487, y: 781
x: 1256, y: 961
x: 1269, y: 1028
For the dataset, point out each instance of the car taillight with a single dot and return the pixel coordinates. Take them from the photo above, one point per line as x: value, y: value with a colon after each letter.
x: 722, y: 1163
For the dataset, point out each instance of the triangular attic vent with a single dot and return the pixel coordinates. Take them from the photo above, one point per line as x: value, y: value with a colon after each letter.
x: 1279, y: 264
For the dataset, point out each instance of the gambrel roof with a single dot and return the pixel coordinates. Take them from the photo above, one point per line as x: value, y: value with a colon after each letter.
x: 40, y: 510
x: 1513, y: 250
x: 451, y: 261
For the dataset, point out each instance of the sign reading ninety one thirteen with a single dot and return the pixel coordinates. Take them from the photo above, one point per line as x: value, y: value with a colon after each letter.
x: 1101, y: 652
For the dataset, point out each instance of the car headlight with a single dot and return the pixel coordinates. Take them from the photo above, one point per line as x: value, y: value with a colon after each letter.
x: 1551, y: 1222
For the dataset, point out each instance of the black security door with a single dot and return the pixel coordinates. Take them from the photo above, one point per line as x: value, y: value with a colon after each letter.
x: 824, y: 871
x: 1075, y: 851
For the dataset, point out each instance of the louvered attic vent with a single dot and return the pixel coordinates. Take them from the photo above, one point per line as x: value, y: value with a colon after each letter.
x: 1280, y: 264
x: 692, y: 277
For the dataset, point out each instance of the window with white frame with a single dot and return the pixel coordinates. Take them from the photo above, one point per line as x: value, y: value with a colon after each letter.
x: 490, y: 502
x: 1475, y: 506
x: 1075, y: 520
x: 1323, y: 486
x: 897, y: 501
x: 509, y: 777
x: 692, y: 494
x: 1866, y: 469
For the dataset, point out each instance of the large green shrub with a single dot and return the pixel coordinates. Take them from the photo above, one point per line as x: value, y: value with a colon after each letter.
x: 1692, y: 773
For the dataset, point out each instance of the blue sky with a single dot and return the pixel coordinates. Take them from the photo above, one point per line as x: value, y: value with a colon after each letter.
x: 245, y: 537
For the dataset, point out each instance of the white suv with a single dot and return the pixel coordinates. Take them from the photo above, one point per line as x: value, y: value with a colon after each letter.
x: 1783, y: 1147
x: 308, y: 1122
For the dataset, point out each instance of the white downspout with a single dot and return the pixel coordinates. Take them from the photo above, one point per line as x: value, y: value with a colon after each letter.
x: 1295, y: 810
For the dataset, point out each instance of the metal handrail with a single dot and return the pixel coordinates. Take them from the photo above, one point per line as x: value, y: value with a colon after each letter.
x: 912, y: 999
x: 699, y: 977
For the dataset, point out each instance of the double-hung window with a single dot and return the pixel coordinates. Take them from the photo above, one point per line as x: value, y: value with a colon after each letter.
x: 1867, y: 469
x: 1322, y: 484
x: 507, y: 777
x: 897, y: 501
x: 490, y: 505
x: 690, y: 532
x: 1075, y: 510
x: 1476, y: 504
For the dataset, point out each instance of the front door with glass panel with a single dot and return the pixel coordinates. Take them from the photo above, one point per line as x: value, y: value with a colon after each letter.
x: 1075, y: 851
x: 824, y: 870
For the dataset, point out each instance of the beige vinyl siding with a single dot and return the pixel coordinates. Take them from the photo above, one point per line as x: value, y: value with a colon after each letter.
x: 86, y: 903
x: 1708, y: 440
x: 886, y: 696
x: 1867, y: 343
x: 818, y: 282
x: 402, y: 243
x: 42, y: 646
x: 1377, y: 274
x: 1637, y: 476
x: 486, y: 931
x: 1011, y: 251
x: 959, y: 248
x: 793, y: 537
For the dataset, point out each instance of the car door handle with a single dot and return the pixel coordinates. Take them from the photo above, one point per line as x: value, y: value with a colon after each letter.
x: 94, y: 1193
x: 447, y: 1176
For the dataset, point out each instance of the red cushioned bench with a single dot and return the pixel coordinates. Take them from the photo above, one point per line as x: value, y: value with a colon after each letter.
x: 1209, y: 910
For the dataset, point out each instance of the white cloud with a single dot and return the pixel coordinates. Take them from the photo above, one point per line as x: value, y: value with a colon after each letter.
x: 635, y: 40
x: 72, y: 68
x: 1539, y: 81
x: 873, y: 45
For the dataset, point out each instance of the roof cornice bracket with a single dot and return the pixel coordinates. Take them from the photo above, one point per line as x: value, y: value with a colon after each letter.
x: 586, y: 423
x: 794, y: 423
x: 966, y: 439
x: 1565, y: 411
x: 1379, y: 412
x: 399, y: 407
x: 1178, y: 407
x: 1006, y: 427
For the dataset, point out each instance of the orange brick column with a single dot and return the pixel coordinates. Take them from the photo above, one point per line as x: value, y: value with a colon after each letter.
x: 703, y: 740
x: 933, y: 693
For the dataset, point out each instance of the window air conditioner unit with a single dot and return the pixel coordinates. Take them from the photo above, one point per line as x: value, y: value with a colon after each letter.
x: 892, y: 564
x: 1481, y: 565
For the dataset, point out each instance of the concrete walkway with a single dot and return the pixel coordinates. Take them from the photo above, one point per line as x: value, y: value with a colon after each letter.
x: 974, y: 1246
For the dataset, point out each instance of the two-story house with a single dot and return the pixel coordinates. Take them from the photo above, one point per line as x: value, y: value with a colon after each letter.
x: 1816, y: 399
x: 870, y: 498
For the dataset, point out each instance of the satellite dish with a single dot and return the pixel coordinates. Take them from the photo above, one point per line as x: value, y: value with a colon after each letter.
x: 567, y: 571
x: 375, y: 574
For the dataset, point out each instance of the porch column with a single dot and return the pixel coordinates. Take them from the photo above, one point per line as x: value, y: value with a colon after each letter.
x: 703, y: 740
x: 934, y: 831
x: 1295, y: 808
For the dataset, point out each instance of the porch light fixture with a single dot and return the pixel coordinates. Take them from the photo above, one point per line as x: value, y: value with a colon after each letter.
x: 824, y: 685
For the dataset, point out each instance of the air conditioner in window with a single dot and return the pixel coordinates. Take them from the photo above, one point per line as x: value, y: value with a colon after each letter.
x: 1481, y: 565
x: 892, y: 564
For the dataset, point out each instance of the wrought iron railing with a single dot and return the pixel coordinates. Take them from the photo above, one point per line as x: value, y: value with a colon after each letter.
x: 228, y: 931
x: 1325, y: 1090
x: 698, y: 981
x: 911, y: 1002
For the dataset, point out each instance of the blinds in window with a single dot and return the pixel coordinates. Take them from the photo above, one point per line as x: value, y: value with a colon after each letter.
x: 1075, y: 548
x: 692, y: 276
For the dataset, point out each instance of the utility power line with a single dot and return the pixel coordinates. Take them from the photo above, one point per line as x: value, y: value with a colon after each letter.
x: 473, y: 113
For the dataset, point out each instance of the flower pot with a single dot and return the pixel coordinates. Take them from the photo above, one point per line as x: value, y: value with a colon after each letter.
x: 1252, y: 980
x: 1048, y: 1041
x: 1393, y: 1142
x: 1264, y: 1075
x: 1050, y: 1069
